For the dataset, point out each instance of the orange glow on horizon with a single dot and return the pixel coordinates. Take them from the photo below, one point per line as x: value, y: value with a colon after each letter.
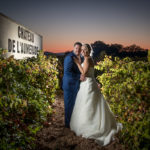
x: 57, y: 50
x: 64, y: 48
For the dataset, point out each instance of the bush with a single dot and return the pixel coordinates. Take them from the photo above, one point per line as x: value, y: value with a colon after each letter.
x: 27, y: 90
x: 148, y: 55
x: 126, y: 86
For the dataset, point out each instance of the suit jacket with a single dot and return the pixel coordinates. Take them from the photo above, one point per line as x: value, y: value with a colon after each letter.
x: 71, y: 76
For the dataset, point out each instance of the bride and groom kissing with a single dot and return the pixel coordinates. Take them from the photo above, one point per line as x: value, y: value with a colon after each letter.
x: 87, y: 113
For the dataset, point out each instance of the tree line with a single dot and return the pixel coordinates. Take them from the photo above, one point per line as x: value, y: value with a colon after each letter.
x: 117, y: 50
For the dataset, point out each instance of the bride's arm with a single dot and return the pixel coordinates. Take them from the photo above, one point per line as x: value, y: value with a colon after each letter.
x: 85, y: 67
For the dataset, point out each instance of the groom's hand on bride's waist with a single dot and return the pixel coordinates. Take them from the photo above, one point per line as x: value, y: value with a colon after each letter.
x: 82, y: 77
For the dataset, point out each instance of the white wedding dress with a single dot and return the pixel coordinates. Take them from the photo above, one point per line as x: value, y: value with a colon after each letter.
x: 92, y: 117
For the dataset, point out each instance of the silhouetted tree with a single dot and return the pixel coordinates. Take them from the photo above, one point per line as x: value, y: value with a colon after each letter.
x: 132, y: 51
x: 99, y: 46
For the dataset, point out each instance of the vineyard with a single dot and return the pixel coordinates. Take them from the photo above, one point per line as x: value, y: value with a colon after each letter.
x: 126, y: 86
x: 28, y: 88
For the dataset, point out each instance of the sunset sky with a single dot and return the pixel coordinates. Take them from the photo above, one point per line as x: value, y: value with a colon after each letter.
x: 63, y: 22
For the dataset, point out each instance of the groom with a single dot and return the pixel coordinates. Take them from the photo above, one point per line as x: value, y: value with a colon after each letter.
x: 71, y: 81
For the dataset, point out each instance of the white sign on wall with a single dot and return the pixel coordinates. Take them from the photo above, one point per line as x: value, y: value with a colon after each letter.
x: 18, y: 40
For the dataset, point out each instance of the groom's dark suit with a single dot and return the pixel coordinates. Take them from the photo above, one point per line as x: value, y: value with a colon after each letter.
x: 71, y: 83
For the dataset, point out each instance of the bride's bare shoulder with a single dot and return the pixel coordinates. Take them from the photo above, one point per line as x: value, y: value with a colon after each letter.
x: 89, y: 60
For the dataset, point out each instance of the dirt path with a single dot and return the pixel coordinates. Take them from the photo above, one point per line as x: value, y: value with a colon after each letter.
x: 54, y: 136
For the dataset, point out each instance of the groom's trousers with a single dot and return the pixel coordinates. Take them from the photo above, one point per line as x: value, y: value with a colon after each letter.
x: 69, y: 101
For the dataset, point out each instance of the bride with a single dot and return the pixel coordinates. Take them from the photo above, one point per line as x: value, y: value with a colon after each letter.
x: 92, y: 117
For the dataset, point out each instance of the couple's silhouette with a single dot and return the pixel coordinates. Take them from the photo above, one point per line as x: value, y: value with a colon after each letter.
x: 87, y: 113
